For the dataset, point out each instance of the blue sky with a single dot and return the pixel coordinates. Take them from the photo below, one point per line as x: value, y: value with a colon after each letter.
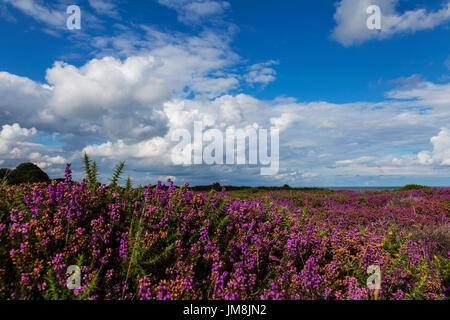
x: 354, y: 106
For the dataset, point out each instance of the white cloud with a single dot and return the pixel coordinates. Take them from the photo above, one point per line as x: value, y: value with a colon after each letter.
x: 15, y: 146
x: 198, y: 63
x: 149, y: 149
x: 53, y: 17
x: 389, y: 165
x: 109, y: 117
x: 109, y: 98
x: 351, y: 20
x: 104, y: 85
x: 21, y: 97
x: 12, y: 136
x: 310, y: 174
x: 441, y: 150
x: 356, y: 161
x: 46, y: 161
x: 405, y: 164
x: 424, y: 93
x: 126, y: 103
x: 285, y: 120
x: 261, y: 73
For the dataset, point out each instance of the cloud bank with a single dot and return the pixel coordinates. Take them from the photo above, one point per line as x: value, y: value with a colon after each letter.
x: 351, y: 20
x: 142, y: 84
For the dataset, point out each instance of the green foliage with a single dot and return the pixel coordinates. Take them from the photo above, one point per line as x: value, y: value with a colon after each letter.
x: 362, y: 229
x: 157, y: 258
x: 412, y: 187
x: 87, y: 165
x: 117, y: 174
x: 363, y: 200
x: 90, y: 171
x: 129, y: 186
x: 304, y: 214
x: 55, y: 290
x: 20, y: 204
x: 443, y: 266
x: 94, y: 175
x: 394, y: 241
x: 91, y: 287
x: 418, y: 291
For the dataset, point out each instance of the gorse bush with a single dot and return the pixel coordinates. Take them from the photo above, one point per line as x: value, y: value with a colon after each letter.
x: 164, y: 242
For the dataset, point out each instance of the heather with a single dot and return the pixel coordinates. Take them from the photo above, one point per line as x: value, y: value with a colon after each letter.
x: 167, y: 242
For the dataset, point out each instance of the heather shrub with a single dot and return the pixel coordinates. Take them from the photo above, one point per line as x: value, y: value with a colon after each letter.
x: 168, y: 242
x: 437, y: 237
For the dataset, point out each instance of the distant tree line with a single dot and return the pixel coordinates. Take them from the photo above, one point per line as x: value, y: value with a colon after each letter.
x: 217, y: 187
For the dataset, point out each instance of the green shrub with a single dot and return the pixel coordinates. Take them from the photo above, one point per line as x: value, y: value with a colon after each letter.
x: 412, y: 187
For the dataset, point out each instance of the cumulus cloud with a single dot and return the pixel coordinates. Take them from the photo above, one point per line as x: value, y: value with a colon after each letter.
x: 45, y: 161
x: 100, y: 108
x: 441, y: 150
x: 21, y: 98
x: 110, y: 98
x: 103, y: 84
x: 187, y: 62
x: 126, y: 103
x: 150, y: 150
x: 312, y: 133
x: 113, y: 98
x: 112, y: 105
x: 319, y: 128
x: 16, y: 145
x: 351, y: 20
x: 12, y: 136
